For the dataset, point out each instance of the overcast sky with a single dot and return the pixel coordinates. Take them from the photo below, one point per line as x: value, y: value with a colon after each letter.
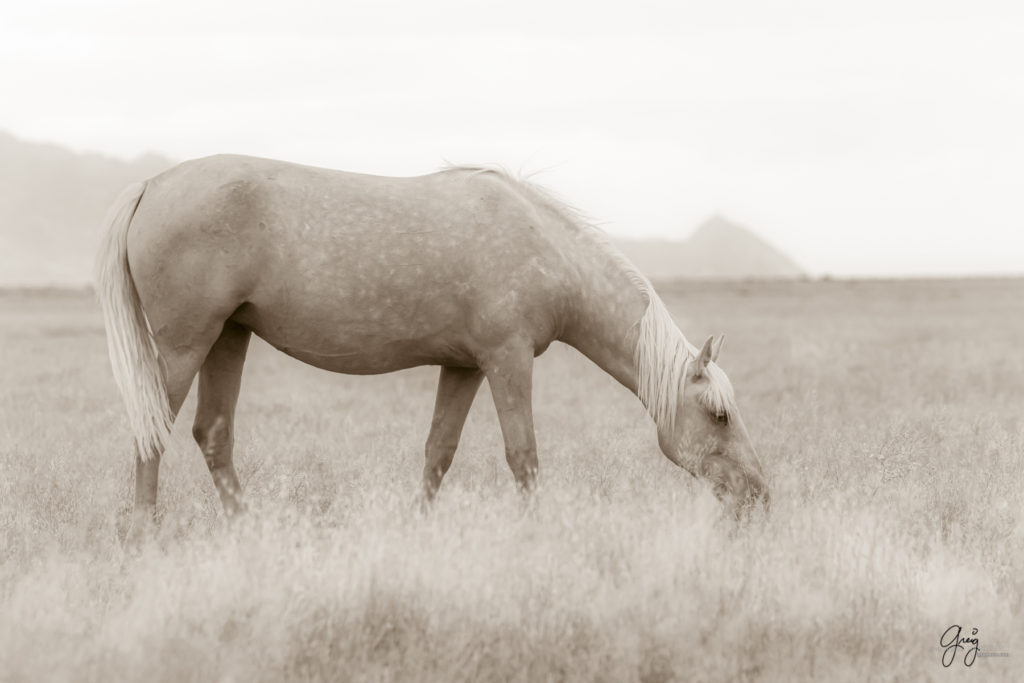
x: 862, y: 138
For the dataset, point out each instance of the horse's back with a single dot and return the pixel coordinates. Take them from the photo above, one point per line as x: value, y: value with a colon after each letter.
x: 350, y: 272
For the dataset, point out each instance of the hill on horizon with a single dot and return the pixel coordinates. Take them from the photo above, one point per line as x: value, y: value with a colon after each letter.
x: 52, y: 203
x: 718, y: 249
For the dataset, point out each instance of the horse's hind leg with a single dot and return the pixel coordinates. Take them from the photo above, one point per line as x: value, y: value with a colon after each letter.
x: 220, y: 378
x: 180, y: 367
x: 456, y: 390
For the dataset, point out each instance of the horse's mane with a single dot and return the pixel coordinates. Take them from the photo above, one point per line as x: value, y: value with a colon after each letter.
x: 662, y: 352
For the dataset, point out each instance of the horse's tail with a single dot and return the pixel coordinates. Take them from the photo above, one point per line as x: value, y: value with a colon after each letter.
x: 133, y: 353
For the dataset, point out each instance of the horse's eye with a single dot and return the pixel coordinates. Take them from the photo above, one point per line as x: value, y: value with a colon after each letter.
x: 723, y: 418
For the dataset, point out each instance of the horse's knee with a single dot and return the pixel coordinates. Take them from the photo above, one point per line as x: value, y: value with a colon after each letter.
x: 215, y: 441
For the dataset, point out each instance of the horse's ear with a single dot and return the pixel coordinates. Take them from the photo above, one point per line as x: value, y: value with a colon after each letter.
x: 716, y: 348
x: 703, y: 358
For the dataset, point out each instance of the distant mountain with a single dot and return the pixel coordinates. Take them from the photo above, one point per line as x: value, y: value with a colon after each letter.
x: 52, y: 202
x: 717, y: 249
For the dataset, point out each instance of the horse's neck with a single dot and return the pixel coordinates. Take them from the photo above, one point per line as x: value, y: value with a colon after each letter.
x: 603, y: 325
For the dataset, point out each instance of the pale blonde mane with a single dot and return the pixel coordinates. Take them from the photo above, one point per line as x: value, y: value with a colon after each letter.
x: 662, y: 358
x: 662, y: 354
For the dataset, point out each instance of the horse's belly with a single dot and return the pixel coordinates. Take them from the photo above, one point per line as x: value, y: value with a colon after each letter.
x: 353, y: 344
x: 373, y: 361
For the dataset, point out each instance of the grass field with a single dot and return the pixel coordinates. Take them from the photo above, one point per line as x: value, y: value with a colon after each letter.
x: 889, y: 415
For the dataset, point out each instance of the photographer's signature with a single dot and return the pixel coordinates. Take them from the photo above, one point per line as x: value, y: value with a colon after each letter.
x: 954, y: 641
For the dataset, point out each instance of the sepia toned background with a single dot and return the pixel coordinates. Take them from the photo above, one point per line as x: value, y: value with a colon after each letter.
x: 868, y: 138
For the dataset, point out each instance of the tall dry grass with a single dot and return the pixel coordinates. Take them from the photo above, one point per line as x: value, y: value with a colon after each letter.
x: 888, y: 414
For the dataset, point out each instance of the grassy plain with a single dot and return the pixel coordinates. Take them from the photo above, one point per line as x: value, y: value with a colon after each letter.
x: 890, y: 416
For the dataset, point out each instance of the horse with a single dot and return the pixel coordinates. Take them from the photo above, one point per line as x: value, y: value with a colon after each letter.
x: 468, y: 268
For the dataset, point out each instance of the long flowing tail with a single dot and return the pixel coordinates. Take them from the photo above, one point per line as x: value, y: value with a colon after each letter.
x: 133, y: 353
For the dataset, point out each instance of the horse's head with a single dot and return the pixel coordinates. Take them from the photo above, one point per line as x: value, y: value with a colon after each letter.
x: 708, y: 437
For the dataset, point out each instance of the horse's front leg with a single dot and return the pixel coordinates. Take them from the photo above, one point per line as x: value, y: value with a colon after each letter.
x: 456, y: 389
x: 509, y: 372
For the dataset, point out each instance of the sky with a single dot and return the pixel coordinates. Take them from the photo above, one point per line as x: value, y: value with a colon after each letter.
x: 862, y: 138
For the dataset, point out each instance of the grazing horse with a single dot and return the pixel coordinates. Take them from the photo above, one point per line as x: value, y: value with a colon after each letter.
x: 467, y: 268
